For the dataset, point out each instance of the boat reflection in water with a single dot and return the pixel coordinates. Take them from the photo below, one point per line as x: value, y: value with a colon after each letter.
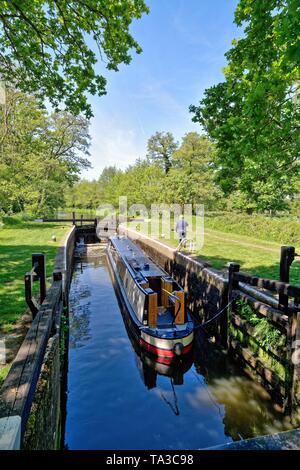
x: 150, y: 367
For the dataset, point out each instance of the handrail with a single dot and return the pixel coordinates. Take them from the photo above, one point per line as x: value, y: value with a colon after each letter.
x: 18, y: 389
x: 269, y: 284
x: 184, y: 241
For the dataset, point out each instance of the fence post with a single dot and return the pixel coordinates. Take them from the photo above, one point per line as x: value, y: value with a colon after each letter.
x: 39, y: 262
x: 223, y: 322
x: 293, y: 319
x: 28, y: 294
x: 287, y: 256
x: 73, y: 216
x: 295, y: 358
x: 57, y: 275
x: 233, y: 284
x: 292, y: 373
x: 292, y: 369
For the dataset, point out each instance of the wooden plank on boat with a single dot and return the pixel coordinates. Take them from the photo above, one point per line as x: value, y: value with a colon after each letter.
x: 167, y: 287
x: 179, y: 308
x: 152, y: 310
x: 145, y: 285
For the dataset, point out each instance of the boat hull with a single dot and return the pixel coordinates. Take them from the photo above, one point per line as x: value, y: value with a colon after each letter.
x: 165, y: 347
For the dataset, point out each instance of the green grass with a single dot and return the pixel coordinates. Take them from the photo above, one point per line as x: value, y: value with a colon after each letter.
x: 3, y: 372
x: 256, y: 255
x: 18, y: 240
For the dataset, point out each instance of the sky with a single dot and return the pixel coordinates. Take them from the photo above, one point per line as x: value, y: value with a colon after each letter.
x: 183, y: 42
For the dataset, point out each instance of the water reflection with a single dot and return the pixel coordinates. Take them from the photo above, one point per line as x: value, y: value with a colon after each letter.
x: 80, y: 311
x: 121, y: 397
x: 249, y: 410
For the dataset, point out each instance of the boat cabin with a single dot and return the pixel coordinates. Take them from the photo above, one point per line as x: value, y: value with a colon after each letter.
x: 157, y: 299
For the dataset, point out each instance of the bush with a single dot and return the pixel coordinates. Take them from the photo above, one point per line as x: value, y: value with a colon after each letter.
x: 280, y: 229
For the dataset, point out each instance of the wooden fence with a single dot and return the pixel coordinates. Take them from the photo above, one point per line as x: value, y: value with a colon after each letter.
x: 279, y: 302
x: 75, y: 221
x: 18, y: 389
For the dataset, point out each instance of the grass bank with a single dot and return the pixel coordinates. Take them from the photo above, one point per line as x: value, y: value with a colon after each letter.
x: 18, y: 240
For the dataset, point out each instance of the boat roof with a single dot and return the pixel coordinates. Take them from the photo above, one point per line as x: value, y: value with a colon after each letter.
x: 134, y: 256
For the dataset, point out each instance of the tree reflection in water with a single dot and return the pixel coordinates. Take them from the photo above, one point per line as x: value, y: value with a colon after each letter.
x: 79, y: 312
x: 248, y: 408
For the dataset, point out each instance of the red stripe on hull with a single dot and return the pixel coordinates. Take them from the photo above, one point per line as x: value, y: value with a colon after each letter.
x: 163, y: 352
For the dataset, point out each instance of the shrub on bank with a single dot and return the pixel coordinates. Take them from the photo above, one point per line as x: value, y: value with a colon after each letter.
x: 280, y: 229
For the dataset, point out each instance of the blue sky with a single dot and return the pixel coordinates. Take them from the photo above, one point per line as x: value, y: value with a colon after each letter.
x: 183, y: 43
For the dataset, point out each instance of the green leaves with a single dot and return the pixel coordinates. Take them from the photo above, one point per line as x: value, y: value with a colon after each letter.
x: 253, y: 117
x: 40, y: 154
x: 268, y: 336
x: 189, y: 179
x: 50, y: 47
x: 161, y: 148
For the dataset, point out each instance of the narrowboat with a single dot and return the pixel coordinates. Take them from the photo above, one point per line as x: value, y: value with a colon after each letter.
x: 154, y: 300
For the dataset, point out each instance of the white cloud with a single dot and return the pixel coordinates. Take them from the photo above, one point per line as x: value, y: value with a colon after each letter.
x: 125, y: 121
x: 113, y: 143
x: 191, y: 36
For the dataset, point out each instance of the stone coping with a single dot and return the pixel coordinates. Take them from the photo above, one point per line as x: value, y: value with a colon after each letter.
x: 287, y: 440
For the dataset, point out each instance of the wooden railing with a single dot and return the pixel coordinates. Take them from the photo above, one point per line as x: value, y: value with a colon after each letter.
x: 18, y: 389
x: 280, y: 303
x: 75, y: 221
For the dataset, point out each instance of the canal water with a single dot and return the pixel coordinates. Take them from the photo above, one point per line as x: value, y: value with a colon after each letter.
x: 120, y: 398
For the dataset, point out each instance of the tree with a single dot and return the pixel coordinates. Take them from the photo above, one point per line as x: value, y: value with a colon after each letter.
x: 109, y: 185
x: 108, y: 174
x: 48, y: 47
x: 40, y: 154
x: 196, y: 188
x: 161, y: 147
x: 143, y: 183
x: 191, y: 180
x: 253, y: 117
x: 195, y: 154
x: 83, y: 194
